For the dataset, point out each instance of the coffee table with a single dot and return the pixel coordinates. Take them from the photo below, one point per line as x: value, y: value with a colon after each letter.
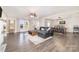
x: 32, y: 32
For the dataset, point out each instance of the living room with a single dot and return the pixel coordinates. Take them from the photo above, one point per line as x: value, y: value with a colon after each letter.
x: 40, y: 28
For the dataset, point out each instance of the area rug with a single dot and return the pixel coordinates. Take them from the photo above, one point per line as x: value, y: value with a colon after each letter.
x: 37, y: 40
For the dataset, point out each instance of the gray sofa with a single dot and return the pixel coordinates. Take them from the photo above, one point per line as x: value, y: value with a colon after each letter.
x: 44, y: 32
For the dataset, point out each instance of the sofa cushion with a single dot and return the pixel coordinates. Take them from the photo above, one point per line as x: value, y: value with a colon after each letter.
x: 42, y: 32
x: 44, y: 28
x: 48, y: 29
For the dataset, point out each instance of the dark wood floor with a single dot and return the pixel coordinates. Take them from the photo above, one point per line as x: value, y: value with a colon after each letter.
x: 61, y: 42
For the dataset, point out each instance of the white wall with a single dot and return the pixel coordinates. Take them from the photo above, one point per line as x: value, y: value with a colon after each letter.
x: 1, y: 34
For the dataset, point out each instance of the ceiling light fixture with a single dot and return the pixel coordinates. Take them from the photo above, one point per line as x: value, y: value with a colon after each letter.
x: 33, y: 15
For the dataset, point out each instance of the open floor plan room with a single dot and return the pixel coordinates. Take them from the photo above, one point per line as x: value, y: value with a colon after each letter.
x: 39, y: 29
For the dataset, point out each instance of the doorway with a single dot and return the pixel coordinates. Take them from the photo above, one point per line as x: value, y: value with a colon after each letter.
x: 23, y: 25
x: 11, y: 26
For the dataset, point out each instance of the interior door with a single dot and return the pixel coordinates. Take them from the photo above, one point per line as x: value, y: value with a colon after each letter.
x: 11, y: 26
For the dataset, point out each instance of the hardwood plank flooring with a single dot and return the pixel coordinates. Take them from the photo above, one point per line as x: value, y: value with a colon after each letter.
x: 59, y: 43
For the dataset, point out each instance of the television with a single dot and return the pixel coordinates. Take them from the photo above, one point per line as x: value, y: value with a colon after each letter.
x: 62, y: 22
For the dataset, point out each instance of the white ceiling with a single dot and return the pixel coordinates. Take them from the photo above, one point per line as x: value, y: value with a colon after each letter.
x: 41, y: 11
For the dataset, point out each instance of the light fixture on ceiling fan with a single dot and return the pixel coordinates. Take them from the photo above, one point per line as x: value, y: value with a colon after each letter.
x: 33, y: 15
